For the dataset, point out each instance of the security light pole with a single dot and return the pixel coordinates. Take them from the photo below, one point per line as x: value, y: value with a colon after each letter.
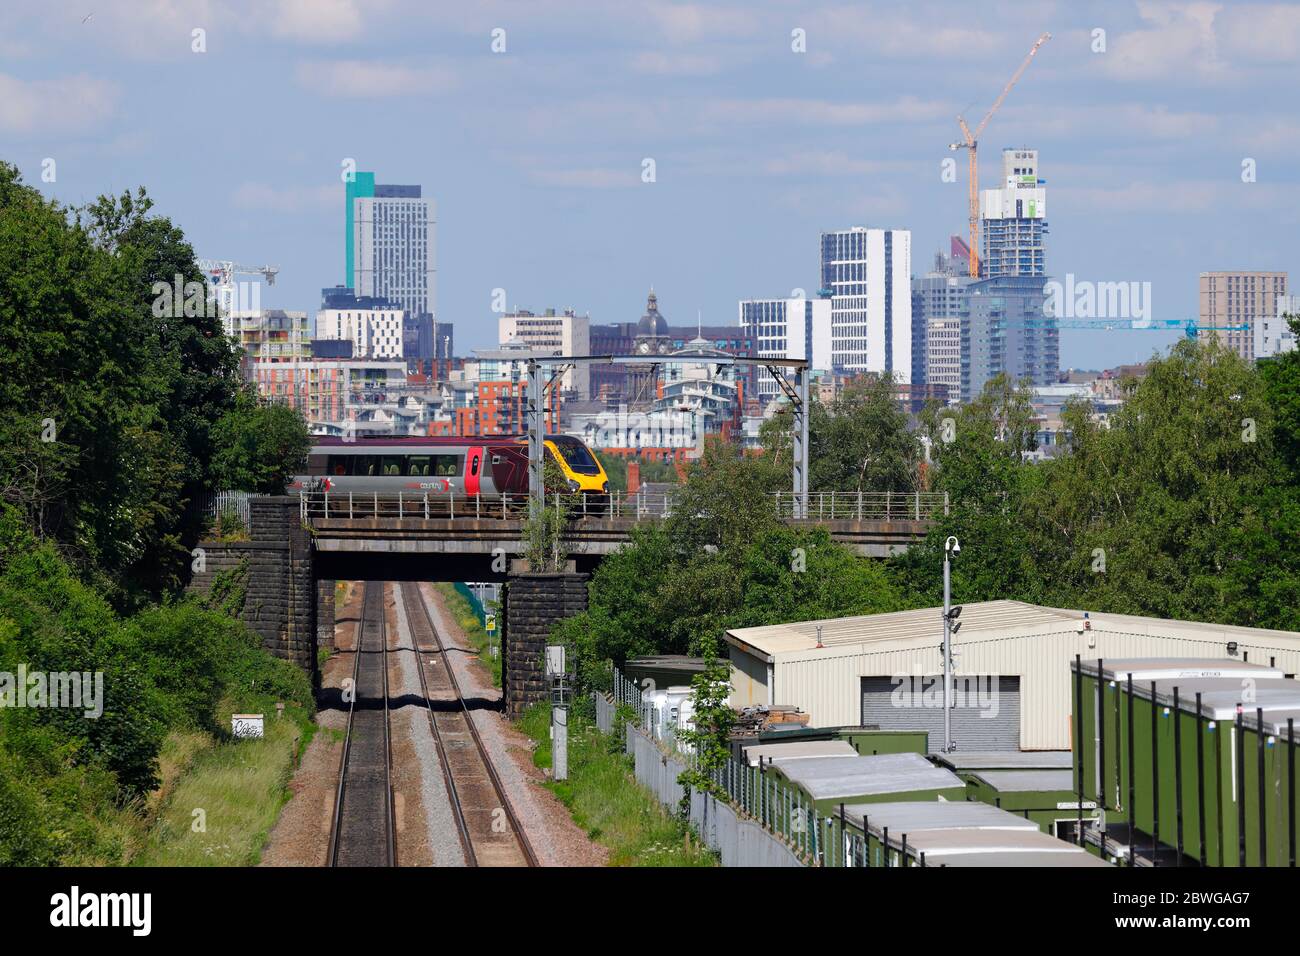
x: 950, y: 547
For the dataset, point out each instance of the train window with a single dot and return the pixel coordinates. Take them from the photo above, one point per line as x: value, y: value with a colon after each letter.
x: 339, y: 465
x: 392, y: 464
x: 446, y: 466
x: 419, y: 465
x: 473, y: 465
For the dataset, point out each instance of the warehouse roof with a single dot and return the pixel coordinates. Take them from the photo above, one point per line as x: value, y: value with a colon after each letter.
x: 1027, y: 781
x: 997, y: 617
x: 799, y: 749
x: 897, y: 625
x: 1006, y: 759
x: 826, y: 778
x: 912, y: 816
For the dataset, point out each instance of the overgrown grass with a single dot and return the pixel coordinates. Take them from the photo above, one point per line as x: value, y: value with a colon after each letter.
x: 603, y: 797
x: 224, y: 804
x: 479, y: 639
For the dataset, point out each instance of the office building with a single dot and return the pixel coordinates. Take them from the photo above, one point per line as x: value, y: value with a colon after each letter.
x: 565, y: 333
x: 867, y: 275
x: 390, y: 243
x: 1232, y: 304
x: 1013, y: 219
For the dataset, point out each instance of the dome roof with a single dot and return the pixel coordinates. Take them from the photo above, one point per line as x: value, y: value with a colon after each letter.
x: 652, y: 324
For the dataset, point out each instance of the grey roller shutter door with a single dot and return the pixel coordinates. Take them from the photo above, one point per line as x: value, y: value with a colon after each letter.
x: 986, y: 715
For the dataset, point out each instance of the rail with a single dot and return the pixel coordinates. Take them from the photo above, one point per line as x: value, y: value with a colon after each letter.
x: 363, y: 800
x: 428, y: 505
x: 473, y: 786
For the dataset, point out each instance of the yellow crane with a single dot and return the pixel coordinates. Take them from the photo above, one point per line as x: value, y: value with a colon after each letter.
x: 972, y: 143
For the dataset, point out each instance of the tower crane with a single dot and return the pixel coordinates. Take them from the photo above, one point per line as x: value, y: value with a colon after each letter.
x: 222, y: 272
x: 971, y: 142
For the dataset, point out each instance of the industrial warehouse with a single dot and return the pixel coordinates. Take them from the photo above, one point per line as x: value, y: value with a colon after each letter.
x: 1075, y: 740
x: 1012, y: 674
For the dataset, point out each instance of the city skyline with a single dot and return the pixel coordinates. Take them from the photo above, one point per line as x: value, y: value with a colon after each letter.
x: 757, y: 148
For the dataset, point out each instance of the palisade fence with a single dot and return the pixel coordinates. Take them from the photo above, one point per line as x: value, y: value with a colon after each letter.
x: 756, y: 820
x: 213, y: 505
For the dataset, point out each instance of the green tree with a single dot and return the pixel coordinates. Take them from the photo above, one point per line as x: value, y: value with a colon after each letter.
x: 258, y: 445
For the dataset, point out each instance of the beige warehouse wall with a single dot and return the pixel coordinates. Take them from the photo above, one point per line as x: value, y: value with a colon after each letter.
x: 827, y: 683
x: 748, y: 679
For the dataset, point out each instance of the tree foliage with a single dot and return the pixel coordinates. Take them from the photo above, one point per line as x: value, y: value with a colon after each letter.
x: 117, y: 408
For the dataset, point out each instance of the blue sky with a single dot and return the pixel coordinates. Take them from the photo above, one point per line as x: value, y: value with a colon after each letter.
x: 534, y: 155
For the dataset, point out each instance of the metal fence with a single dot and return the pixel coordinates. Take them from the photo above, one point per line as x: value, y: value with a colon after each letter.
x: 822, y: 505
x: 750, y: 800
x: 217, y: 504
x: 864, y: 505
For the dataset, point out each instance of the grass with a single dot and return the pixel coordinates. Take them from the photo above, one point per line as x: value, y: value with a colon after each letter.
x: 479, y: 639
x: 603, y: 798
x: 224, y: 795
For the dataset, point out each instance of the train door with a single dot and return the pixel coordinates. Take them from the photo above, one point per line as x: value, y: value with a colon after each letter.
x: 473, y: 470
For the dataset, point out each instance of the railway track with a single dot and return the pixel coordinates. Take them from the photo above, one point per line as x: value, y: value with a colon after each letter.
x: 490, y: 833
x: 362, y: 831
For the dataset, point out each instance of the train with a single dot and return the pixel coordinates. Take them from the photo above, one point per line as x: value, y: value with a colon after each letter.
x: 473, y: 466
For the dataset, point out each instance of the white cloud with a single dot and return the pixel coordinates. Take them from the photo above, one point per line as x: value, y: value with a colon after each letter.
x: 1179, y: 41
x: 366, y: 78
x: 290, y: 199
x: 61, y: 105
x: 795, y: 111
x: 589, y: 178
x: 660, y: 63
x: 823, y: 163
x: 317, y: 21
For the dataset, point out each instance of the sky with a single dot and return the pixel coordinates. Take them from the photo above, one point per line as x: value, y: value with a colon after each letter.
x: 1145, y: 115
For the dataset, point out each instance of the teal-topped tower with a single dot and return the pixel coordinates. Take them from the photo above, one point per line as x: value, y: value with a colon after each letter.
x: 362, y: 186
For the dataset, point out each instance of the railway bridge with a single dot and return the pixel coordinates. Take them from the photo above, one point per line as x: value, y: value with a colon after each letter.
x: 298, y: 547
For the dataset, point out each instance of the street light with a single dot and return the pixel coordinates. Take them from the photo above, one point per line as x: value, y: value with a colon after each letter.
x: 950, y: 625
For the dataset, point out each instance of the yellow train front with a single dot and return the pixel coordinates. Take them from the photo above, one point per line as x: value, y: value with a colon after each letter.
x: 582, y: 470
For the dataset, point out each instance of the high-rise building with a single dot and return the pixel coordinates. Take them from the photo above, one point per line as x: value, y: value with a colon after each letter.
x: 867, y: 275
x: 1239, y: 299
x: 797, y: 328
x: 566, y: 333
x: 390, y: 243
x: 1004, y: 331
x: 940, y: 302
x: 1014, y: 219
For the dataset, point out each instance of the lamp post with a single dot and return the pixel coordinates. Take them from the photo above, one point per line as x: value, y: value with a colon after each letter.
x: 950, y: 547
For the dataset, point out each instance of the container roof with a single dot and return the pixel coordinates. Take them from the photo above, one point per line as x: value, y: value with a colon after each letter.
x: 1171, y: 668
x: 981, y: 617
x: 912, y: 816
x: 799, y: 749
x: 1070, y: 856
x: 1028, y: 781
x: 1006, y: 759
x: 1220, y: 696
x: 826, y: 778
x: 983, y: 841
